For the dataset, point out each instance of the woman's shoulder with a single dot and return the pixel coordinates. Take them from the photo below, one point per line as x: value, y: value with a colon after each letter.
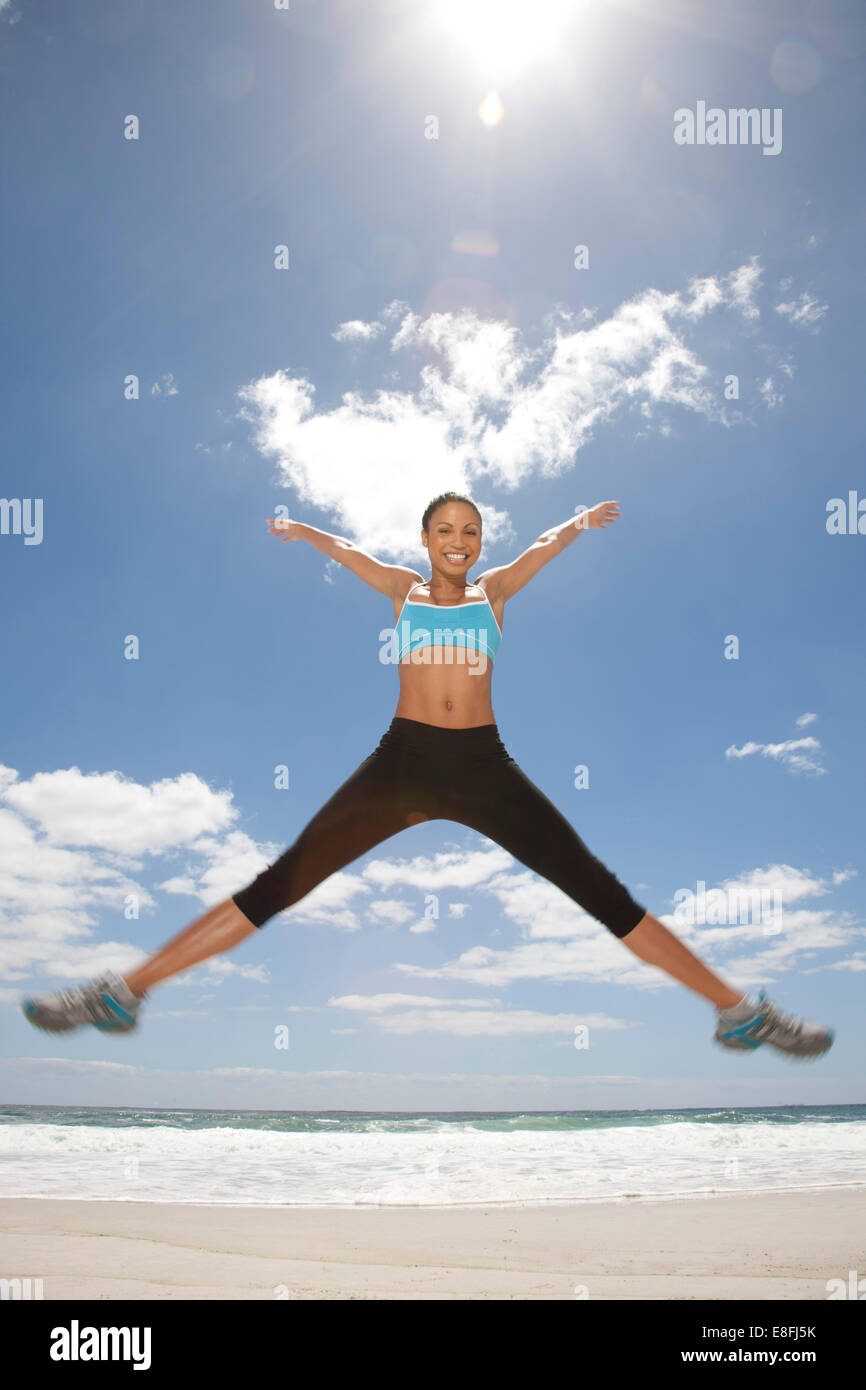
x: 406, y: 581
x: 487, y: 584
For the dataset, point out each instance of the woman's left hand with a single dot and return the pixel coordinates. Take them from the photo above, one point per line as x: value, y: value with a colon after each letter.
x: 602, y: 515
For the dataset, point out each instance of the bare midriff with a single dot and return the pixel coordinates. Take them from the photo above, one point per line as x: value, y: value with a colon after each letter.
x: 448, y: 686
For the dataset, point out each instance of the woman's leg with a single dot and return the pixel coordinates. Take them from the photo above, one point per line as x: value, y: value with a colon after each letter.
x: 218, y: 930
x: 653, y: 943
x: 377, y: 801
x: 502, y: 803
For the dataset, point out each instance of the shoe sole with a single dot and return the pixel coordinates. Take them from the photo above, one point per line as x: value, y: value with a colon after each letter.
x: 31, y: 1013
x: 737, y: 1039
x: 789, y: 1052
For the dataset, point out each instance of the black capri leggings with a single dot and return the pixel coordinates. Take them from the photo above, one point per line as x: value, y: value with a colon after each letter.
x: 423, y: 772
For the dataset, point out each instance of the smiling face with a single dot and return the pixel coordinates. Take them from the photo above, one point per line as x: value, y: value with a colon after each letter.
x: 453, y: 539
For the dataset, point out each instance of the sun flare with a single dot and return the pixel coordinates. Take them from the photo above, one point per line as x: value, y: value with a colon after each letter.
x: 503, y: 35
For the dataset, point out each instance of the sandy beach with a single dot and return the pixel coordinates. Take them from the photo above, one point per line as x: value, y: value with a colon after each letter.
x: 775, y: 1246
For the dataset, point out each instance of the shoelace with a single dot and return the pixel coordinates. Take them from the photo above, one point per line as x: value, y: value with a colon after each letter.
x: 773, y: 1019
x: 108, y: 987
x: 90, y: 995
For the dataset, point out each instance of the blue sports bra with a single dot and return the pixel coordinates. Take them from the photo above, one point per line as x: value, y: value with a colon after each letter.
x: 414, y: 632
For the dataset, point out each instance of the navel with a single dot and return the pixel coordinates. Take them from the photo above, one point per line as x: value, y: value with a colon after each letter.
x: 448, y: 704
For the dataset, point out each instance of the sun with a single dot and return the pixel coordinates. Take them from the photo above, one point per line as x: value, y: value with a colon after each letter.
x: 504, y: 35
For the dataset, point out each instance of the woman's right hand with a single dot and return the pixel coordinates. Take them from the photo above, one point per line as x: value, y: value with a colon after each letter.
x: 284, y: 529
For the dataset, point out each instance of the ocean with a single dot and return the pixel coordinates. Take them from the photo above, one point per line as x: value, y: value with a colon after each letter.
x: 400, y: 1159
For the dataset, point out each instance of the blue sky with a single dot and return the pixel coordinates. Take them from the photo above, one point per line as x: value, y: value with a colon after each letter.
x: 434, y: 327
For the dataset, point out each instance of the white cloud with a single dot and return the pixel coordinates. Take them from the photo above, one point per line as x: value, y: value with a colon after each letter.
x: 231, y: 861
x: 742, y: 285
x: 488, y: 408
x: 71, y: 850
x: 165, y: 386
x: 562, y: 943
x: 217, y: 968
x: 108, y: 811
x: 806, y: 719
x: 804, y: 311
x: 770, y: 395
x: 46, y: 1081
x: 510, y: 1023
x: 795, y: 753
x: 378, y: 1003
x: 601, y: 958
x: 410, y: 1013
x: 447, y: 869
x: 541, y: 910
x: 464, y: 869
x: 178, y: 884
x: 330, y: 903
x: 791, y: 884
x: 355, y: 330
x: 387, y: 910
x: 854, y: 963
x: 53, y: 894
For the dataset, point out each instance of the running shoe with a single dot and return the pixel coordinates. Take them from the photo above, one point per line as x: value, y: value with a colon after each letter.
x: 108, y: 1003
x: 767, y: 1024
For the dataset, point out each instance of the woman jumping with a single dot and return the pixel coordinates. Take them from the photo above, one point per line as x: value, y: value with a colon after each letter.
x: 440, y: 759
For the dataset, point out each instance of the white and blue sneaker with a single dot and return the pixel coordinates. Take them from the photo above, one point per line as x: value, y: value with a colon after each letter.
x: 752, y: 1022
x: 108, y: 1003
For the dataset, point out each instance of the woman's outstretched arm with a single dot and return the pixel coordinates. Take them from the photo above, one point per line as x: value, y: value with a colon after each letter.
x: 392, y: 580
x: 504, y: 581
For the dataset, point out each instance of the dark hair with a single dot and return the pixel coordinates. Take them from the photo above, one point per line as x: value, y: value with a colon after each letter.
x: 440, y: 501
